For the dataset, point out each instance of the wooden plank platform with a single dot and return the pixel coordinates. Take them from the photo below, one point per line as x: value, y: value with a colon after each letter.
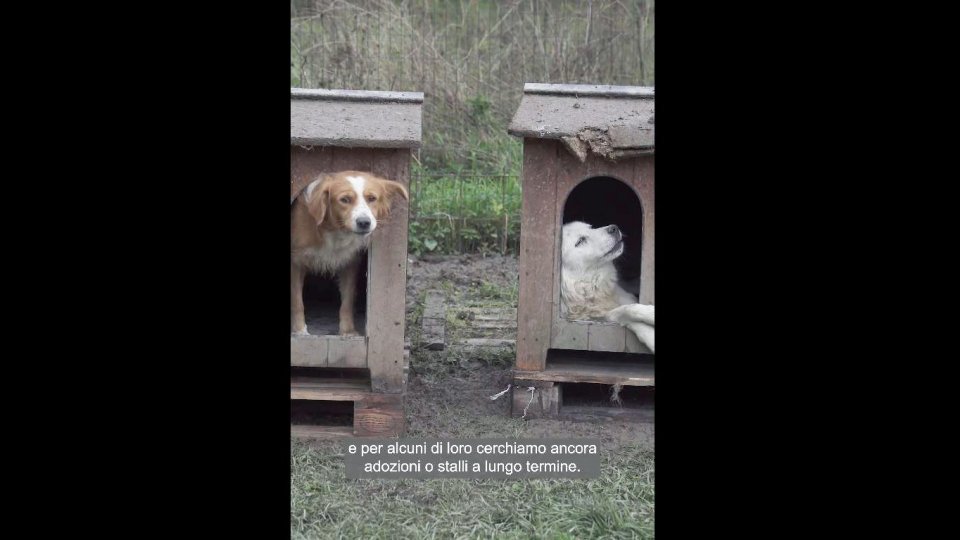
x: 556, y: 400
x: 328, y: 351
x: 326, y: 322
x: 320, y: 432
x: 374, y: 414
x: 592, y: 371
x: 579, y: 413
x: 328, y: 389
x: 594, y: 336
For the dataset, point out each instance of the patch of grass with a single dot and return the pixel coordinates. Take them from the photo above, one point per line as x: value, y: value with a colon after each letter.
x: 499, y: 357
x: 618, y: 504
x: 479, y: 294
x: 456, y: 319
x: 414, y: 320
x: 449, y: 288
x: 433, y: 364
x: 464, y: 211
x: 488, y: 294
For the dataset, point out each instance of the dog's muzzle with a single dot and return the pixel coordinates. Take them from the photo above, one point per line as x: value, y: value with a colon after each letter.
x: 616, y: 246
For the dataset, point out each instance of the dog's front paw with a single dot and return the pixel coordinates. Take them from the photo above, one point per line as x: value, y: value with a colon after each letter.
x: 300, y: 333
x: 349, y: 333
x: 632, y: 313
x: 616, y: 314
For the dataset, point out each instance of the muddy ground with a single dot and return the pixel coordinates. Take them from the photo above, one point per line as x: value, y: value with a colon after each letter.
x: 448, y: 391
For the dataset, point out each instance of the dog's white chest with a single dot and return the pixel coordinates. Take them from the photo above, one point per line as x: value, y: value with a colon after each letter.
x: 337, y: 250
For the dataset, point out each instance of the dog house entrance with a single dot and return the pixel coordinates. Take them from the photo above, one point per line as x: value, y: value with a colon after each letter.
x: 321, y: 302
x: 602, y: 201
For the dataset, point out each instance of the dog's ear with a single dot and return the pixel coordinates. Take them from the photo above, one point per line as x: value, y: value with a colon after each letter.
x: 316, y: 196
x: 394, y: 190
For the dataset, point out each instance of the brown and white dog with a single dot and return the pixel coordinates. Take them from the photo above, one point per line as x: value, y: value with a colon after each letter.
x: 330, y: 225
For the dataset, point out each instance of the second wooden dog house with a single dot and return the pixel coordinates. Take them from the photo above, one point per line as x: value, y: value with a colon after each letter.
x: 588, y: 155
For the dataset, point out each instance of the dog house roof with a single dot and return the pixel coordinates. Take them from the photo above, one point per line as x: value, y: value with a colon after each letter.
x: 355, y: 118
x: 611, y: 121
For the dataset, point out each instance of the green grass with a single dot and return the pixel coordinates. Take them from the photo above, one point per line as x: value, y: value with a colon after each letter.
x: 480, y: 294
x: 466, y: 191
x: 488, y: 294
x: 464, y: 213
x: 618, y: 504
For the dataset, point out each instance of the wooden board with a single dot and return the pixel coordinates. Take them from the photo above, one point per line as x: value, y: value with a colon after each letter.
x: 600, y: 90
x: 433, y: 320
x: 505, y: 324
x: 606, y: 337
x: 538, y: 242
x: 633, y: 344
x: 645, y: 187
x: 347, y: 352
x: 386, y: 296
x: 325, y: 319
x: 328, y: 389
x: 569, y: 334
x: 490, y: 314
x: 373, y: 96
x: 309, y: 351
x: 581, y: 413
x: 548, y: 402
x: 320, y: 432
x: 379, y: 415
x: 486, y: 342
x: 593, y: 371
x: 306, y: 164
x: 545, y: 401
x: 355, y: 118
x: 328, y: 351
x: 557, y: 114
x: 594, y: 336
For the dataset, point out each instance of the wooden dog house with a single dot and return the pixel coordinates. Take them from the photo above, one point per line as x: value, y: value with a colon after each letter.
x: 588, y: 155
x: 334, y: 130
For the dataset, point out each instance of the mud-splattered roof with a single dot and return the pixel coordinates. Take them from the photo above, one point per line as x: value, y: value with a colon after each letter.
x: 355, y: 118
x: 611, y: 121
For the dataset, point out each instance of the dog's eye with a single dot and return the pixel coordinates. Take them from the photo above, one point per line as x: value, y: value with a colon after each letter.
x: 580, y: 241
x: 371, y: 198
x: 345, y: 200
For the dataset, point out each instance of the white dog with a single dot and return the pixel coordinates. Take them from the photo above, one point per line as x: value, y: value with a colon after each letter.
x: 588, y: 280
